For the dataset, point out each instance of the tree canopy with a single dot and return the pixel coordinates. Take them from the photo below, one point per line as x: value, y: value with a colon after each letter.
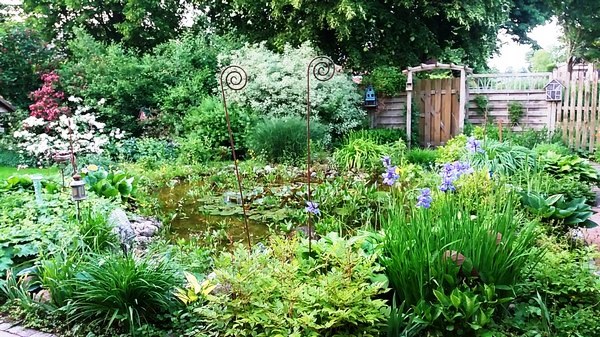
x: 580, y: 20
x: 141, y: 24
x: 365, y: 33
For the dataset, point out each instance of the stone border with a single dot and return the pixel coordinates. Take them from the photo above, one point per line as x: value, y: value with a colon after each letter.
x: 14, y: 329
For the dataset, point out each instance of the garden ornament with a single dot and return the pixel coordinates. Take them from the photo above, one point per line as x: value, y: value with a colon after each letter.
x: 323, y: 70
x: 235, y: 78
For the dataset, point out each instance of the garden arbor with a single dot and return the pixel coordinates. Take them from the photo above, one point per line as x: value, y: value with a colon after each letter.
x: 443, y: 116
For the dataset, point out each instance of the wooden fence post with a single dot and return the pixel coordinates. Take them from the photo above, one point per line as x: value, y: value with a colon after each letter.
x: 463, y: 101
x: 409, y: 90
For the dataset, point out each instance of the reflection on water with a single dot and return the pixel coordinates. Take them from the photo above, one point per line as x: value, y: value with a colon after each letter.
x: 185, y: 199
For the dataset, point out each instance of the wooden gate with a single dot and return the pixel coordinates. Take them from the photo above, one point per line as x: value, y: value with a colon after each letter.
x: 438, y: 110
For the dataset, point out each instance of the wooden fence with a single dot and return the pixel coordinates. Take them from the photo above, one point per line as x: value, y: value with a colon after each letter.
x: 576, y: 117
x: 390, y: 113
x: 498, y: 91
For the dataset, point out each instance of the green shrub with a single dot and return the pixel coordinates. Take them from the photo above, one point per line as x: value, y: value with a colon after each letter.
x: 515, y: 112
x: 565, y: 281
x: 24, y: 55
x: 208, y: 121
x: 422, y: 247
x: 543, y: 148
x: 196, y: 150
x: 95, y: 231
x: 423, y: 157
x: 277, y: 87
x: 154, y: 150
x: 334, y: 293
x: 123, y: 292
x: 283, y: 140
x: 386, y: 80
x: 453, y: 150
x: 166, y: 83
x: 569, y: 165
x: 360, y: 154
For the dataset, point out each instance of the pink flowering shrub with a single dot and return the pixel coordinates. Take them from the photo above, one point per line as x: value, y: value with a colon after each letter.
x: 48, y: 100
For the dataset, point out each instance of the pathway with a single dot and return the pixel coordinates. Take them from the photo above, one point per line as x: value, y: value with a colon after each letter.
x: 591, y: 236
x: 13, y: 329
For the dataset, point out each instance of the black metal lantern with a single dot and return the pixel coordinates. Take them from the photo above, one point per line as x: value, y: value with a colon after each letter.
x: 370, y: 97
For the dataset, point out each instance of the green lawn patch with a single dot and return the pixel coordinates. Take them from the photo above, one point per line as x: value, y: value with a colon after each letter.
x: 6, y: 172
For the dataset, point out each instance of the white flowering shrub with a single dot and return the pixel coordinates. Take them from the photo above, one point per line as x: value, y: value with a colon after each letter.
x: 277, y: 87
x: 40, y: 138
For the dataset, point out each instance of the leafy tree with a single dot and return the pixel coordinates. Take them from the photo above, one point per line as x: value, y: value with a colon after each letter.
x: 526, y: 15
x: 364, y: 33
x: 23, y: 55
x: 173, y: 78
x: 541, y: 61
x: 141, y: 24
x: 580, y: 20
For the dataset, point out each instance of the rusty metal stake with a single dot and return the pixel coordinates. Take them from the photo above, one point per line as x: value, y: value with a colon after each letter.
x: 236, y: 79
x: 323, y: 70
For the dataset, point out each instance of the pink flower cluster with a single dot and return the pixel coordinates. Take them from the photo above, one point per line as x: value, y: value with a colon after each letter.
x: 47, y: 99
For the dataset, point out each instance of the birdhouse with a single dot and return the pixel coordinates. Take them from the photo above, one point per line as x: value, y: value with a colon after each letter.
x: 370, y: 97
x: 554, y: 91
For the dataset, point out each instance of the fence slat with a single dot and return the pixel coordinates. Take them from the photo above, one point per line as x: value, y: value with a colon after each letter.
x: 579, y: 112
x: 595, y: 129
x: 571, y: 127
x: 437, y: 111
x: 447, y: 110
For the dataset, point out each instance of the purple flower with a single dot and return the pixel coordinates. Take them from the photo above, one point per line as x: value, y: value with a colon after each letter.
x: 387, y: 162
x: 474, y: 145
x: 390, y: 176
x: 312, y: 207
x: 447, y: 185
x: 451, y: 172
x: 424, y: 199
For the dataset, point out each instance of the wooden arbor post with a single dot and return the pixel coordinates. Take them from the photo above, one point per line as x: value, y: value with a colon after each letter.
x: 428, y: 67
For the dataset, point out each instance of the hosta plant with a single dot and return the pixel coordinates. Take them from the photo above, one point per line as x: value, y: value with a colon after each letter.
x: 569, y: 165
x: 558, y: 209
x: 110, y: 184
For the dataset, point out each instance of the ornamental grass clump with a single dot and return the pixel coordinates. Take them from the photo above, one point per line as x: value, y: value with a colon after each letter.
x: 452, y: 243
x: 121, y: 292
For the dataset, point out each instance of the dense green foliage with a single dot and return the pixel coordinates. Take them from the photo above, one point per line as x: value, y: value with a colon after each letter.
x: 23, y: 55
x: 331, y: 294
x: 166, y: 84
x: 277, y: 87
x: 281, y: 140
x: 364, y: 34
x: 136, y: 23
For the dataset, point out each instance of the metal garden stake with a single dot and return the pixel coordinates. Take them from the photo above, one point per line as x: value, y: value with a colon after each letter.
x: 322, y: 69
x: 235, y: 78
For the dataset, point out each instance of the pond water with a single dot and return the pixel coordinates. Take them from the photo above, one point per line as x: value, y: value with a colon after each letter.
x: 187, y: 200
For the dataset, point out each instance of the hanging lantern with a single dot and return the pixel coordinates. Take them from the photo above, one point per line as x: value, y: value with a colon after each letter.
x: 78, y: 188
x: 370, y: 97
